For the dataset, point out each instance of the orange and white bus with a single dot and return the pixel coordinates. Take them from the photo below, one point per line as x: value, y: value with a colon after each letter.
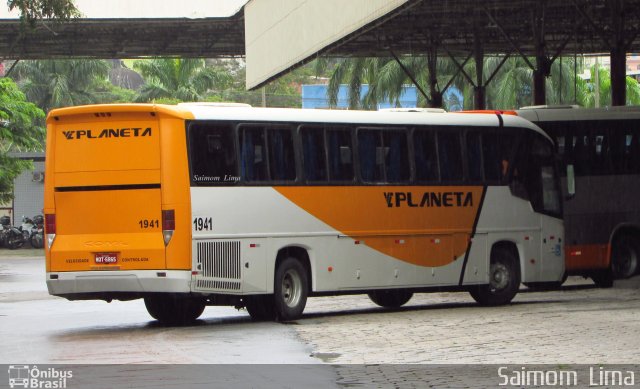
x: 600, y: 153
x: 193, y: 205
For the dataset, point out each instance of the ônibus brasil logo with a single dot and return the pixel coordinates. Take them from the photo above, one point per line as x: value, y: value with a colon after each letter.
x: 24, y: 376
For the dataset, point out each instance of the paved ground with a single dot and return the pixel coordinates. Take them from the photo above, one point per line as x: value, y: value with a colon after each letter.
x: 369, y: 346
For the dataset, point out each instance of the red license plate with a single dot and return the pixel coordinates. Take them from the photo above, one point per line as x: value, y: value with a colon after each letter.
x: 106, y: 258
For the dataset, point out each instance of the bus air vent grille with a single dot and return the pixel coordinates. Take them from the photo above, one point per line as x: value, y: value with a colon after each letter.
x: 220, y: 259
x: 219, y: 265
x: 214, y: 284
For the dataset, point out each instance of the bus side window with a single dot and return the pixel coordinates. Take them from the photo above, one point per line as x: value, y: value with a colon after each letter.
x: 426, y: 156
x: 497, y: 150
x: 449, y: 153
x: 581, y: 154
x: 213, y: 155
x: 634, y: 152
x: 371, y: 155
x: 396, y: 160
x: 282, y: 165
x: 313, y: 154
x: 474, y: 156
x: 253, y: 153
x: 601, y: 163
x: 536, y: 179
x: 340, y: 154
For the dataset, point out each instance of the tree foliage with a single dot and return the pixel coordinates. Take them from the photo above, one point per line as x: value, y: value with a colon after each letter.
x: 62, y: 83
x: 19, y: 131
x: 33, y: 10
x: 182, y: 79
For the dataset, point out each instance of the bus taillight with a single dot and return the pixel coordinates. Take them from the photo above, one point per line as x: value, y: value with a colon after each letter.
x: 50, y: 228
x: 168, y: 225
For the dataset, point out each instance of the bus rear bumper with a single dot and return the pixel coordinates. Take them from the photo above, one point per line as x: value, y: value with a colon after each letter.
x: 103, y: 282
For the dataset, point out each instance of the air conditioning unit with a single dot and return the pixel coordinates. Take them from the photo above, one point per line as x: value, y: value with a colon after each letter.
x: 37, y: 177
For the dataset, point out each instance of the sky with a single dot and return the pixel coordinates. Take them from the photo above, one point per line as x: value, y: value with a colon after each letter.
x: 107, y: 9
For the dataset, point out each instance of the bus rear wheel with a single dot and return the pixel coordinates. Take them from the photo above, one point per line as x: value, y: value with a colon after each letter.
x: 393, y: 298
x: 504, y: 279
x: 174, y: 311
x: 290, y: 289
x: 624, y: 257
x: 260, y: 307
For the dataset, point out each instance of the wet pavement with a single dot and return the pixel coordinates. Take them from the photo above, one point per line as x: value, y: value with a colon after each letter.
x: 345, y: 341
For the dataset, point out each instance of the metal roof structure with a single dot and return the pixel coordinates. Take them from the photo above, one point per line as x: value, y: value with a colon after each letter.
x: 505, y: 26
x: 125, y: 38
x: 543, y: 29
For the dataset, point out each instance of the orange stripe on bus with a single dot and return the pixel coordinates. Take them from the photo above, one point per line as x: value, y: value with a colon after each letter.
x: 434, y: 222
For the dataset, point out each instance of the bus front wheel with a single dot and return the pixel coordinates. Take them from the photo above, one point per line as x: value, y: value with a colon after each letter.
x: 393, y: 298
x: 624, y: 257
x: 290, y: 289
x: 504, y: 279
x: 174, y: 311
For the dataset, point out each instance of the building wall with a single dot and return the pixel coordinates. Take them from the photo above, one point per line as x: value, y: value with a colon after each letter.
x: 28, y: 193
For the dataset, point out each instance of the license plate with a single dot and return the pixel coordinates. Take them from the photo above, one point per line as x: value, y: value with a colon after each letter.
x: 106, y: 258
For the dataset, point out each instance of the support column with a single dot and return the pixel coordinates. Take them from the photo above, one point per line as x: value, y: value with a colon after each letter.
x: 618, y: 56
x: 543, y: 65
x: 434, y: 91
x: 539, y: 81
x: 479, y: 91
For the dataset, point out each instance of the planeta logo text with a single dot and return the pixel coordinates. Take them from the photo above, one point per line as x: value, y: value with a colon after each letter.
x: 129, y: 132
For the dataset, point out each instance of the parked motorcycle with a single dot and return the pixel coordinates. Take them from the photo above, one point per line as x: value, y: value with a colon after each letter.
x: 37, y: 232
x: 10, y: 237
x: 26, y: 227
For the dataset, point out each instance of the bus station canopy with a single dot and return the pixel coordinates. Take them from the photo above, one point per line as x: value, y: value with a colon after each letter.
x: 277, y: 36
x: 416, y: 27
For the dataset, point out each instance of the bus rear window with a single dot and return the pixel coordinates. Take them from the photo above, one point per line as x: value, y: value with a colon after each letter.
x: 212, y: 155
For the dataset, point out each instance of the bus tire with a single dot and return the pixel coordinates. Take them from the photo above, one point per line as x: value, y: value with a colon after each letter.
x: 260, y: 307
x: 603, y: 278
x: 391, y: 298
x: 174, y: 311
x: 504, y: 279
x: 291, y: 288
x: 624, y: 257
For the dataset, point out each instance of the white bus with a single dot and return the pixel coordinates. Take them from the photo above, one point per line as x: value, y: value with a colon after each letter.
x: 194, y: 205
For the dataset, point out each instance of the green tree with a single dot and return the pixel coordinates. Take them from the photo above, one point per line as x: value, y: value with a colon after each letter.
x: 19, y: 131
x: 61, y: 83
x: 387, y: 78
x: 588, y: 90
x: 510, y: 88
x: 34, y: 10
x: 282, y: 92
x: 182, y: 79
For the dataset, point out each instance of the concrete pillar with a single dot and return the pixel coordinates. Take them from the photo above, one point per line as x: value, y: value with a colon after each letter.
x: 618, y: 76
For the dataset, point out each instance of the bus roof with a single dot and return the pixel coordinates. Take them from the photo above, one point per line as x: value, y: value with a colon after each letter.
x: 550, y: 114
x: 244, y: 113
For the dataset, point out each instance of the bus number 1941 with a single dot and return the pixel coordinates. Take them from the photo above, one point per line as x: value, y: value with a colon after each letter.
x: 202, y: 224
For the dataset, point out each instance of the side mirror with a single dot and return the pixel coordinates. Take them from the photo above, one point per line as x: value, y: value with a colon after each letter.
x: 571, y: 182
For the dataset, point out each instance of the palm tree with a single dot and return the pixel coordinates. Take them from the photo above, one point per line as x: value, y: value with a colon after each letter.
x: 386, y: 79
x: 588, y: 89
x: 180, y: 79
x: 355, y: 72
x: 60, y: 83
x: 510, y: 88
